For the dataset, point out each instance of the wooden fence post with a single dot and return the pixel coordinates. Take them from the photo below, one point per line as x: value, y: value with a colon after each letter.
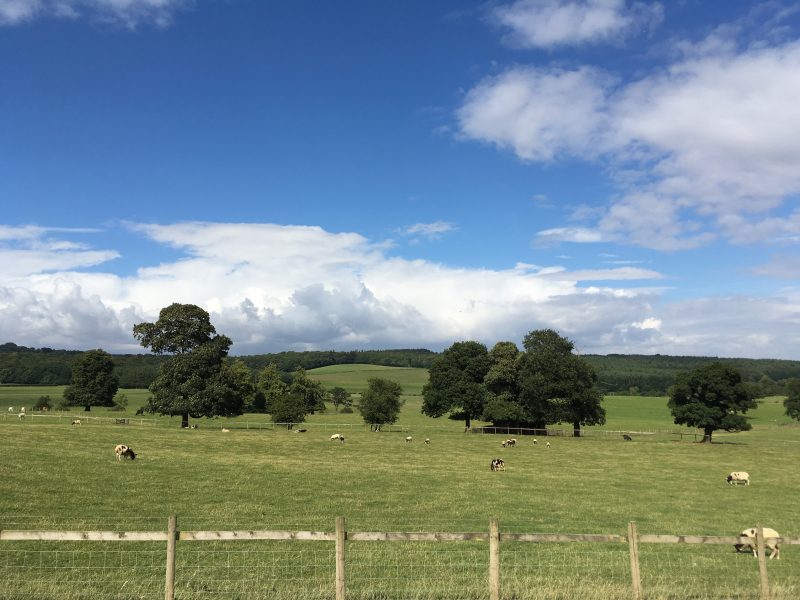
x: 762, y: 562
x: 340, y: 538
x: 172, y: 536
x: 633, y: 547
x: 494, y: 560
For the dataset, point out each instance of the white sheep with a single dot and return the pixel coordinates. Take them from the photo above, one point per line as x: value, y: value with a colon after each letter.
x: 76, y: 421
x: 737, y: 477
x: 21, y: 415
x: 770, y: 543
x: 547, y: 444
x: 338, y: 436
x: 10, y: 409
x: 22, y: 409
x: 225, y: 430
x: 427, y: 440
x: 409, y: 438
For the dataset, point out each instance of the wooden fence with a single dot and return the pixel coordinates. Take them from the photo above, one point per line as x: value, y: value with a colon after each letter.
x: 340, y: 536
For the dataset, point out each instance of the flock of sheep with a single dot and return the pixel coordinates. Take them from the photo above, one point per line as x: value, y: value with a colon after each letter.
x: 498, y: 464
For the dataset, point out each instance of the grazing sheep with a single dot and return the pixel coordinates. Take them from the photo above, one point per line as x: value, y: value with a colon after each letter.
x: 548, y: 444
x: 22, y: 409
x: 534, y: 441
x: 224, y: 430
x: 21, y: 415
x: 427, y: 440
x: 121, y: 450
x: 300, y: 430
x: 337, y: 436
x: 76, y: 421
x: 409, y: 438
x: 497, y: 464
x: 10, y: 409
x: 737, y: 477
x: 770, y: 543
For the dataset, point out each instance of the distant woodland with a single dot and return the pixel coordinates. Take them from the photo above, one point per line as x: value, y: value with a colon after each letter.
x: 630, y: 374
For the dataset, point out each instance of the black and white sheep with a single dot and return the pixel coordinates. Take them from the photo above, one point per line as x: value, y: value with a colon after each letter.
x: 338, y: 436
x: 626, y: 437
x: 497, y: 464
x: 76, y: 421
x: 737, y: 477
x: 409, y: 439
x: 122, y: 451
x: 770, y: 542
x: 510, y: 443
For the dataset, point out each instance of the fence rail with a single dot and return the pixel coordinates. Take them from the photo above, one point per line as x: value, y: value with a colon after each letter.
x: 340, y: 537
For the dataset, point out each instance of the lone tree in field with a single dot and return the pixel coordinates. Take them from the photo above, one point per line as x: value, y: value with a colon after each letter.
x: 455, y: 382
x: 555, y: 385
x: 340, y: 397
x: 711, y: 397
x: 195, y: 381
x: 380, y: 404
x: 792, y: 401
x: 93, y: 381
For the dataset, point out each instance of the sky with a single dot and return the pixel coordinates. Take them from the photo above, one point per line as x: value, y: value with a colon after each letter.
x: 374, y: 175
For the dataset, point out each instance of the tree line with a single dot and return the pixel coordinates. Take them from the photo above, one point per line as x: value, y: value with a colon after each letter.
x: 647, y: 375
x: 544, y: 383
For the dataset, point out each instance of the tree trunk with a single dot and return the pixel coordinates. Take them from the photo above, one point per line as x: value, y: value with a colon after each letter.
x: 185, y: 421
x: 707, y: 435
x: 87, y: 408
x: 467, y: 423
x: 576, y: 429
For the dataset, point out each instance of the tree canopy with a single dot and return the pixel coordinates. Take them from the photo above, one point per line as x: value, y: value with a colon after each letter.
x: 456, y: 382
x: 195, y: 381
x: 711, y: 397
x: 93, y: 381
x: 380, y: 403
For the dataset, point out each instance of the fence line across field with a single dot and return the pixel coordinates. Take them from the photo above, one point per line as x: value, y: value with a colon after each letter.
x: 340, y: 536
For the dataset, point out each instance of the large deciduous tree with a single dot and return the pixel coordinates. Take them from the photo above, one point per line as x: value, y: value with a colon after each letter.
x: 556, y: 385
x: 711, y: 397
x: 455, y: 383
x: 270, y: 388
x: 93, y: 381
x: 502, y: 390
x: 195, y: 381
x: 380, y: 404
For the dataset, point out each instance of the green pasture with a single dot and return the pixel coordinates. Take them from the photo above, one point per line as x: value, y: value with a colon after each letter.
x: 58, y: 476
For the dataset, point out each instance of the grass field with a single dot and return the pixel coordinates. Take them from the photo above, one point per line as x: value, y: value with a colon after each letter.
x: 56, y: 476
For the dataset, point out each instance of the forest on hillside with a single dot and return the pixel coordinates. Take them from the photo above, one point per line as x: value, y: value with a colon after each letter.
x: 617, y: 373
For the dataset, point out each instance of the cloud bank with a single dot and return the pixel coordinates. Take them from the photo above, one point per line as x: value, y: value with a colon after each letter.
x: 274, y: 287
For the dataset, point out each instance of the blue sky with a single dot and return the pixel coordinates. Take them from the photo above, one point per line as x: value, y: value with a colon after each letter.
x: 403, y: 174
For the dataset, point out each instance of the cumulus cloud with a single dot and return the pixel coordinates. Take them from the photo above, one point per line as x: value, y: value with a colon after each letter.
x: 126, y: 13
x: 704, y: 148
x: 550, y: 23
x: 273, y: 287
x: 540, y: 114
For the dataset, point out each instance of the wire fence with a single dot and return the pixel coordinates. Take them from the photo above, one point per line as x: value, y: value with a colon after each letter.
x: 36, y: 564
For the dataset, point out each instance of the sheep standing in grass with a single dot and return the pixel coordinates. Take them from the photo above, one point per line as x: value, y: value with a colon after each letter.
x: 497, y: 464
x: 76, y: 421
x: 427, y: 440
x: 122, y: 451
x: 10, y: 409
x: 409, y: 438
x: 626, y: 437
x: 337, y: 436
x: 737, y: 477
x: 770, y: 543
x: 21, y: 415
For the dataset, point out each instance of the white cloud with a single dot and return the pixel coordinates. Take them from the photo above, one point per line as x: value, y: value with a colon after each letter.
x: 127, y: 13
x: 540, y: 114
x: 550, y: 23
x: 429, y: 230
x: 706, y: 148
